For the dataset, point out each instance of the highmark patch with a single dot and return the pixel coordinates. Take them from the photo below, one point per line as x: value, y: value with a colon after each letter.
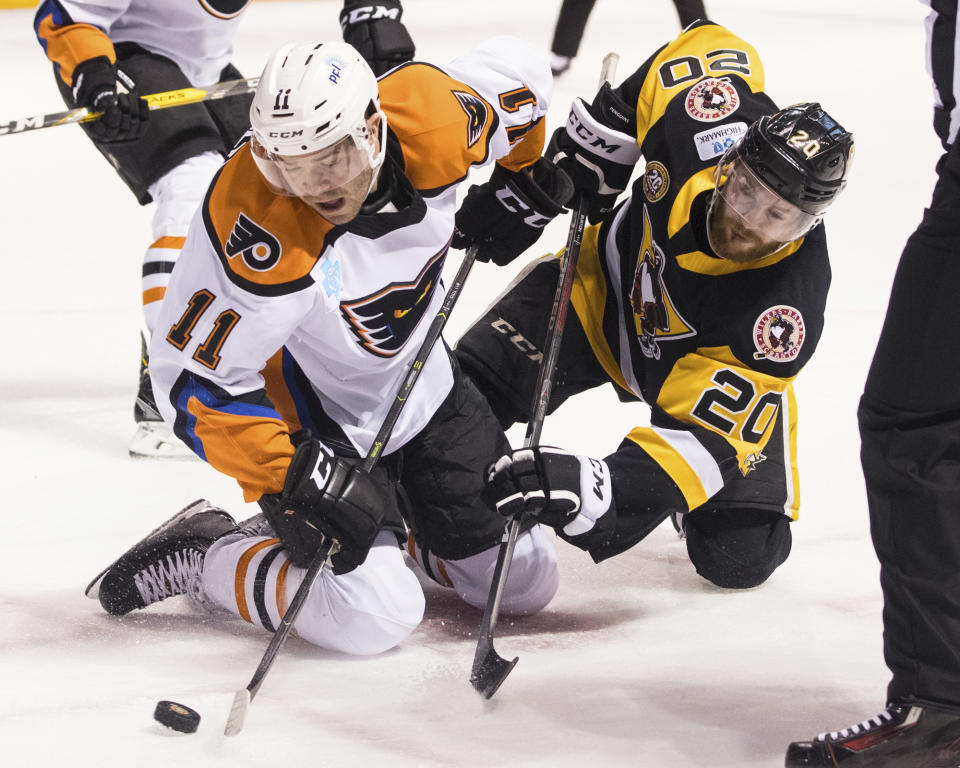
x: 715, y: 141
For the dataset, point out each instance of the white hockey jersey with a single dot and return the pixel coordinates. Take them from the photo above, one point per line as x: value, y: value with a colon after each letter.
x: 275, y: 320
x: 197, y: 35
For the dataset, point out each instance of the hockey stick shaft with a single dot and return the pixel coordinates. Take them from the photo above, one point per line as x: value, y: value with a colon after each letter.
x: 244, y: 696
x: 489, y: 668
x: 163, y: 100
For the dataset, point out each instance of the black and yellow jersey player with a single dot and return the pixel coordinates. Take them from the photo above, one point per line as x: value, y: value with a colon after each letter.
x: 701, y: 294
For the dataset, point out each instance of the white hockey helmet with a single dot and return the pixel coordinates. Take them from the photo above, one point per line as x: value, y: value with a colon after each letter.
x: 311, y: 118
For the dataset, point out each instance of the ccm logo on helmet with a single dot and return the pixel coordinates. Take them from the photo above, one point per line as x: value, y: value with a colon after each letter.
x: 284, y: 134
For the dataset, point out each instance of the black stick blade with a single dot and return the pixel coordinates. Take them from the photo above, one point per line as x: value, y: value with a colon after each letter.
x: 489, y: 672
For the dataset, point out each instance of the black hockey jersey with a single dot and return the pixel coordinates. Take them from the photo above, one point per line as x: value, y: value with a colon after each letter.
x: 712, y: 345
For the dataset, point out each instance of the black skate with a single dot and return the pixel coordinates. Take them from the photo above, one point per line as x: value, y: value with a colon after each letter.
x: 166, y: 563
x: 153, y: 437
x: 905, y: 735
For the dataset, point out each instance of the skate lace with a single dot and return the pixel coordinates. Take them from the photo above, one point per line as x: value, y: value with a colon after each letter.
x: 175, y: 574
x: 878, y: 721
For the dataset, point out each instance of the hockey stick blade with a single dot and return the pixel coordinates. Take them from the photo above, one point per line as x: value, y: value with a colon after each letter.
x: 163, y: 100
x: 238, y: 712
x: 490, y: 669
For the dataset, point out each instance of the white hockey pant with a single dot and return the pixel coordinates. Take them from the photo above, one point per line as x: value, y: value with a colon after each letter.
x: 532, y: 580
x: 367, y: 611
x: 176, y: 196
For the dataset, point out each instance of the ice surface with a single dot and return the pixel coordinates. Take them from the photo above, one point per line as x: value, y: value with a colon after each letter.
x: 637, y: 662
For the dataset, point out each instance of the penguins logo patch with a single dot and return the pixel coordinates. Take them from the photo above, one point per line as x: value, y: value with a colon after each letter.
x: 385, y: 320
x: 778, y: 334
x: 477, y: 112
x: 258, y: 248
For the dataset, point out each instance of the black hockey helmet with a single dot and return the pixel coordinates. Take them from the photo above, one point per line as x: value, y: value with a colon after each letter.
x: 801, y: 153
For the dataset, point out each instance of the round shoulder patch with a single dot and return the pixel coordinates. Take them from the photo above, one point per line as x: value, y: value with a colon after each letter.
x: 778, y: 334
x: 656, y: 181
x: 712, y: 99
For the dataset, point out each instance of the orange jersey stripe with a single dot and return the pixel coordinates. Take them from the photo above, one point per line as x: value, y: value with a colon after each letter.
x: 231, y: 442
x: 240, y: 576
x: 278, y: 393
x: 443, y: 125
x: 528, y: 150
x: 68, y: 46
x: 175, y: 243
x: 153, y: 294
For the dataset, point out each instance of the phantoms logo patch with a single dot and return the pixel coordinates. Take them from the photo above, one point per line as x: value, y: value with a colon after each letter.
x: 383, y: 321
x: 258, y: 248
x: 478, y: 113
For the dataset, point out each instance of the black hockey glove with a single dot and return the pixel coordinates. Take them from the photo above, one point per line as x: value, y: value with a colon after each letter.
x: 571, y: 494
x: 324, y: 496
x: 598, y: 149
x: 375, y: 30
x: 125, y: 115
x: 507, y: 214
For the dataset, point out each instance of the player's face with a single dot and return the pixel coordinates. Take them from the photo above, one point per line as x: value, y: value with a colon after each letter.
x: 335, y: 180
x: 746, y: 220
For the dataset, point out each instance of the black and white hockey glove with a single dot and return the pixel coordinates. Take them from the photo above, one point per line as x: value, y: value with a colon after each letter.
x: 375, y: 30
x: 598, y: 149
x: 125, y: 115
x: 570, y: 493
x: 507, y: 214
x: 324, y: 496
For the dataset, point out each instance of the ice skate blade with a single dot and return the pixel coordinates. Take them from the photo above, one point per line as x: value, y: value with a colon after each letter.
x: 155, y: 440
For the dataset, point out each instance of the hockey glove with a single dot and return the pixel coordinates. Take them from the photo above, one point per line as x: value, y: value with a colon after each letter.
x: 507, y: 214
x: 598, y: 149
x: 572, y: 494
x: 326, y: 497
x: 376, y: 31
x: 124, y: 115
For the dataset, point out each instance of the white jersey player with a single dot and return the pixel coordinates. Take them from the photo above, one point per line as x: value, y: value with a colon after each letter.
x: 295, y: 310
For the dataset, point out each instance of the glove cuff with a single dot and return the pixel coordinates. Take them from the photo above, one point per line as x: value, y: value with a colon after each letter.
x: 596, y: 496
x: 611, y: 110
x: 600, y: 139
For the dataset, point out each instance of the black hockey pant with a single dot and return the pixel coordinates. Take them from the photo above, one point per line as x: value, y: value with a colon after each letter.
x: 909, y: 420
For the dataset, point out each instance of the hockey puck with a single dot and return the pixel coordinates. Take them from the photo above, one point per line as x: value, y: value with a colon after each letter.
x: 177, y: 716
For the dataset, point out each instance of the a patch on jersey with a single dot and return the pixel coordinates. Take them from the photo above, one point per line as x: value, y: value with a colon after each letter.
x: 656, y: 181
x: 224, y: 9
x: 332, y: 279
x: 259, y: 249
x: 383, y: 321
x: 477, y: 112
x: 711, y: 100
x: 778, y: 334
x: 715, y: 141
x: 655, y: 315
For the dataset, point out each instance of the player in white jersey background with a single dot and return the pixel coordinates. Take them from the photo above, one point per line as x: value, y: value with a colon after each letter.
x: 295, y: 309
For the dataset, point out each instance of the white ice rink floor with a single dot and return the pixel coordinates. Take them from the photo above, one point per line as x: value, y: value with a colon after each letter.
x: 637, y: 662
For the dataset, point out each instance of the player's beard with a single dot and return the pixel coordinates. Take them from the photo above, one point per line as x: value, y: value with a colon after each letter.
x: 731, y: 239
x: 342, y: 204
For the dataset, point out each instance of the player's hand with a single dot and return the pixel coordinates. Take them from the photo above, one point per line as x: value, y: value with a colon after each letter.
x: 375, y: 30
x: 570, y: 493
x: 507, y: 214
x: 598, y: 149
x: 124, y: 115
x: 326, y: 497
